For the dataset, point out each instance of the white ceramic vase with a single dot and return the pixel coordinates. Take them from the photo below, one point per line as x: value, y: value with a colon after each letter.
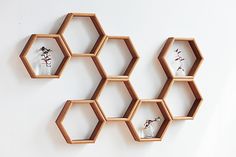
x: 147, y: 132
x: 180, y: 73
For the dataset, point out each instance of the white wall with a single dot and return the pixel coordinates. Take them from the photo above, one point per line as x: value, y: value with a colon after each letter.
x: 29, y: 107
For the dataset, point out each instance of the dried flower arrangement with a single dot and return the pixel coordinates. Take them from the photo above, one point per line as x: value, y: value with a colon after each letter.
x: 46, y: 56
x: 180, y: 60
x: 44, y: 64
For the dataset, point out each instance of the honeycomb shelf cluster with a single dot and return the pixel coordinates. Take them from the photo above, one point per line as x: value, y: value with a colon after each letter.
x: 123, y: 78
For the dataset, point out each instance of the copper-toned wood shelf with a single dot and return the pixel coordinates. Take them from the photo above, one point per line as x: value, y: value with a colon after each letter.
x: 195, y: 106
x: 28, y: 46
x: 97, y: 129
x: 97, y: 26
x: 160, y: 133
x: 131, y: 91
x: 165, y: 50
x: 131, y: 49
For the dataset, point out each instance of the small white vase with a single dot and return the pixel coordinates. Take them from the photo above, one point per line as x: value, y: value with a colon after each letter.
x: 180, y: 73
x: 41, y: 67
x: 45, y: 70
x: 147, y: 132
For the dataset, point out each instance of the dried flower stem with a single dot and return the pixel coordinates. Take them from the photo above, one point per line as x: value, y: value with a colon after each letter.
x: 46, y: 57
x: 149, y: 122
x: 179, y: 59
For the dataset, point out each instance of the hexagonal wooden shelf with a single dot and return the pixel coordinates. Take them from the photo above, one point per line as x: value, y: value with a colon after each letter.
x: 29, y: 44
x: 131, y: 91
x: 132, y: 51
x: 97, y: 25
x: 164, y: 126
x: 169, y: 43
x: 97, y: 129
x: 198, y: 98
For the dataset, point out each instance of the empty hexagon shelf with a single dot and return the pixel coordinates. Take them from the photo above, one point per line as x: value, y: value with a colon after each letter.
x: 118, y: 106
x: 64, y: 112
x: 180, y: 57
x: 84, y: 26
x: 45, y: 56
x: 186, y: 91
x: 158, y: 116
x: 117, y: 51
